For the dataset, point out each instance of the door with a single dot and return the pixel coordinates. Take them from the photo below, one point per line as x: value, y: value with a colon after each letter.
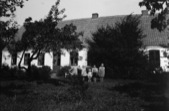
x: 154, y: 58
x: 56, y: 61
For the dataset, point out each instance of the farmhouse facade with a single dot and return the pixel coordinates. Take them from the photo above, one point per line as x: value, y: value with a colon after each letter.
x: 155, y: 43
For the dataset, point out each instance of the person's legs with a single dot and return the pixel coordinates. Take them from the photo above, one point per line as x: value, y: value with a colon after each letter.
x: 94, y: 79
x: 89, y: 79
x: 101, y: 79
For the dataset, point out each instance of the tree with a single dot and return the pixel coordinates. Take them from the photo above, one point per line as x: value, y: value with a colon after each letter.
x: 7, y: 34
x: 161, y: 21
x: 118, y: 47
x: 44, y: 36
x: 8, y: 7
x: 8, y: 28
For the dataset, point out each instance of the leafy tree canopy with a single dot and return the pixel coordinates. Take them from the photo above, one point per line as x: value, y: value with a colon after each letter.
x: 161, y: 21
x: 8, y: 28
x: 118, y: 47
x: 44, y: 35
x: 8, y: 7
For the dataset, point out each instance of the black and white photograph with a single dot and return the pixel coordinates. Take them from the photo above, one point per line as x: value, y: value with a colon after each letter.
x: 84, y: 55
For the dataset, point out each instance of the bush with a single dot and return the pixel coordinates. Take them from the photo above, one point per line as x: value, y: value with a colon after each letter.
x: 12, y: 73
x: 42, y: 73
x: 34, y: 74
x: 20, y: 74
x: 5, y: 72
x: 64, y: 70
x: 77, y: 85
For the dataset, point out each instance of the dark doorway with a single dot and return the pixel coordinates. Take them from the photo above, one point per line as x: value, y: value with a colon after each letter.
x: 74, y: 57
x: 56, y: 61
x: 154, y: 58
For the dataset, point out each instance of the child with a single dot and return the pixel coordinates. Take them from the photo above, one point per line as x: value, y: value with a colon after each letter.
x: 89, y: 75
x: 95, y: 73
x: 84, y: 73
x: 101, y: 72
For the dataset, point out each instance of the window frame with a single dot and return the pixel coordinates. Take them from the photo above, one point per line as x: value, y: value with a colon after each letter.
x: 74, y: 57
x: 14, y: 59
x: 154, y: 58
x: 41, y: 59
x: 26, y: 58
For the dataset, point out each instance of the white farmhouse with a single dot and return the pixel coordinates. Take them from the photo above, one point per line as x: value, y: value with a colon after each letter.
x: 154, y: 44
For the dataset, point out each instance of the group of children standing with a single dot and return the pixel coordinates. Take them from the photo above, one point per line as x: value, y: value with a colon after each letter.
x: 89, y: 74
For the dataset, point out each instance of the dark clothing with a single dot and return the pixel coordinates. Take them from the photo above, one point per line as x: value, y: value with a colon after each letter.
x: 95, y: 74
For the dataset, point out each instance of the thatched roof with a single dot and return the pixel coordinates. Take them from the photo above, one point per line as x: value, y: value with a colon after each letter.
x: 89, y: 25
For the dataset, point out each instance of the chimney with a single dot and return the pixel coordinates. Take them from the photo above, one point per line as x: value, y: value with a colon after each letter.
x: 95, y: 15
x: 144, y: 12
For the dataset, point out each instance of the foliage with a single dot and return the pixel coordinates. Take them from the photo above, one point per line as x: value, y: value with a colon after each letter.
x: 12, y: 73
x: 63, y: 71
x: 8, y: 27
x: 44, y: 72
x: 118, y: 48
x: 8, y: 7
x: 76, y: 81
x: 44, y: 35
x: 41, y: 73
x: 162, y: 6
x: 7, y: 33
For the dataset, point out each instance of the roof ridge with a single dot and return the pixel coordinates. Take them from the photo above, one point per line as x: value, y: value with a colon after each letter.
x: 77, y: 19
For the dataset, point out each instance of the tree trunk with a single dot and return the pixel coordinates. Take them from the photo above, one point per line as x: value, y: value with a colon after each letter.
x: 19, y: 64
x: 36, y: 54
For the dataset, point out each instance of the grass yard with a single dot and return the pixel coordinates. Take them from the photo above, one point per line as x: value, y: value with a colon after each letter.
x: 111, y: 95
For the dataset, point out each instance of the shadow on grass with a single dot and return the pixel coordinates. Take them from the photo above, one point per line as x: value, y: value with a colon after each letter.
x: 11, y: 88
x: 151, y: 93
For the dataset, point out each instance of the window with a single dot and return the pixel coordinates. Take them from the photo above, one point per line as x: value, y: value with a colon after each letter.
x: 41, y: 59
x: 154, y: 58
x: 74, y: 58
x: 26, y: 58
x: 56, y: 58
x: 14, y: 59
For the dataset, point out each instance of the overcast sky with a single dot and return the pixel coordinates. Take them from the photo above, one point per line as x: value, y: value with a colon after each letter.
x: 75, y: 9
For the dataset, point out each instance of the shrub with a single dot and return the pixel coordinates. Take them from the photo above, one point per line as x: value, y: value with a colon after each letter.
x: 34, y: 74
x: 63, y: 70
x: 5, y: 72
x: 77, y: 83
x: 42, y: 73
x: 20, y: 74
x: 12, y: 73
x: 78, y: 86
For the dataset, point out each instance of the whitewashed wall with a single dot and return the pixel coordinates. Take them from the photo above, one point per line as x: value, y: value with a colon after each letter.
x: 83, y: 56
x: 6, y: 59
x: 49, y: 59
x: 164, y: 61
x: 65, y: 58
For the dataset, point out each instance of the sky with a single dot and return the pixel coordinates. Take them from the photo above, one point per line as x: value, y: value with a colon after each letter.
x: 76, y: 9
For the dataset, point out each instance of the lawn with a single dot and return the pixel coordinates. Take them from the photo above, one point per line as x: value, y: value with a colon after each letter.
x: 110, y: 95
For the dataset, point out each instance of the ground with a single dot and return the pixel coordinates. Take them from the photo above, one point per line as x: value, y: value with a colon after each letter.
x: 110, y: 95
